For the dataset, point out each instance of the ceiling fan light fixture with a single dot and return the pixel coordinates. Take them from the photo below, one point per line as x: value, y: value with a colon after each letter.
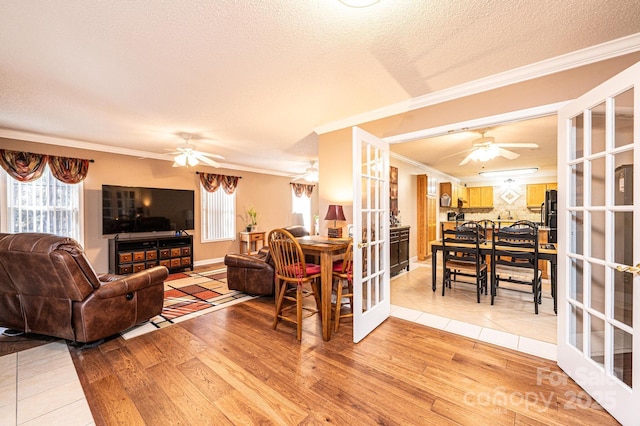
x: 312, y: 177
x: 181, y: 159
x: 513, y: 172
x: 485, y: 153
x: 192, y: 160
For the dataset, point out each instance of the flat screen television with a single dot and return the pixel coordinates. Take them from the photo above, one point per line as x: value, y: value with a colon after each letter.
x: 127, y: 209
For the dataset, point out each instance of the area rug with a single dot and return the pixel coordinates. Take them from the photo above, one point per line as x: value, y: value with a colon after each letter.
x: 188, y: 295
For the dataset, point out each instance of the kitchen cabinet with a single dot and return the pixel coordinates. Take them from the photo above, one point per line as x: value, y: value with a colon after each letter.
x: 427, y: 220
x: 398, y: 249
x: 480, y: 197
x: 536, y: 191
x: 432, y: 221
x: 455, y: 191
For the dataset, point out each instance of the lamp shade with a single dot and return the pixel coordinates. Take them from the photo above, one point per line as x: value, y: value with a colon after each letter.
x: 335, y: 213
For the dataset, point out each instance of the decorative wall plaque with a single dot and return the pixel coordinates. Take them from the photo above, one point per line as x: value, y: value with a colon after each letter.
x: 509, y: 196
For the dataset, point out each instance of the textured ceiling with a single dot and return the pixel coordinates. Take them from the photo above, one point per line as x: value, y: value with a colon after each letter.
x: 252, y: 79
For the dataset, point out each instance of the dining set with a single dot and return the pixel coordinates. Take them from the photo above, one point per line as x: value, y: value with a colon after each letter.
x: 298, y: 277
x: 490, y: 254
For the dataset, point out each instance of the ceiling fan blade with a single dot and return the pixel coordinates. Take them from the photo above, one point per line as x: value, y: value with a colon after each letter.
x: 466, y: 160
x: 206, y: 160
x: 456, y: 154
x: 206, y: 154
x: 507, y: 154
x: 518, y: 145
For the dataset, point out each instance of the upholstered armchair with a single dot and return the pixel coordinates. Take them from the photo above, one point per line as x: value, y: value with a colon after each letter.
x: 254, y: 274
x: 47, y: 286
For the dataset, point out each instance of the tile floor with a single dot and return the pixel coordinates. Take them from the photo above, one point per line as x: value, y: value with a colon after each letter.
x: 510, y: 322
x: 40, y: 386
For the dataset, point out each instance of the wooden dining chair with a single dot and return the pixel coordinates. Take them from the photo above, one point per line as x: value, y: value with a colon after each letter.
x: 295, y: 279
x: 514, y: 259
x: 461, y: 256
x: 343, y: 286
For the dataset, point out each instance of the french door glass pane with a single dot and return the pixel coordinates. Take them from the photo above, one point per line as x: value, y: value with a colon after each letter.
x: 577, y: 232
x: 575, y: 328
x: 597, y: 286
x: 623, y: 297
x: 577, y: 124
x: 623, y: 190
x: 597, y: 339
x: 624, y: 118
x: 598, y: 235
x: 577, y: 274
x: 623, y: 237
x: 598, y: 173
x: 598, y: 129
x: 576, y: 185
x: 622, y: 355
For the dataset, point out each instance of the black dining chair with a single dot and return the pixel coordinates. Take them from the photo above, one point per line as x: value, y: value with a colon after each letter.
x: 461, y: 256
x: 514, y: 258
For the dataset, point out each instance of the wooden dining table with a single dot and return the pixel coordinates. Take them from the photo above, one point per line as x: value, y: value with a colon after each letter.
x: 545, y: 252
x: 326, y: 248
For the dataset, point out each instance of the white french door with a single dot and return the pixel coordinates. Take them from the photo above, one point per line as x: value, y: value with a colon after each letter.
x: 371, y: 288
x: 599, y: 292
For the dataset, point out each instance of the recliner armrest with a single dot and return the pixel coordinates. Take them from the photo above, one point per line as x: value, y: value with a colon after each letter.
x: 132, y: 283
x: 244, y: 261
x: 105, y: 278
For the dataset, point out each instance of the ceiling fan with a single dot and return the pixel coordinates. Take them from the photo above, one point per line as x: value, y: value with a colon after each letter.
x: 486, y: 148
x: 311, y: 174
x: 186, y: 154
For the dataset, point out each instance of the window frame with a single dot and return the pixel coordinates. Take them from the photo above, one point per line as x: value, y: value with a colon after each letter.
x: 5, y: 187
x: 205, y: 213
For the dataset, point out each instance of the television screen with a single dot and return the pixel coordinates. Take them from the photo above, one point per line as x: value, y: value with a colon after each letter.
x: 128, y: 209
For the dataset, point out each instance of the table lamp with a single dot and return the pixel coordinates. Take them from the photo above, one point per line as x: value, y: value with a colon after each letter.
x: 335, y: 213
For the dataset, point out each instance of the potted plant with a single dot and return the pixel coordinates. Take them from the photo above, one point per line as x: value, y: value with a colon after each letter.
x: 252, y: 215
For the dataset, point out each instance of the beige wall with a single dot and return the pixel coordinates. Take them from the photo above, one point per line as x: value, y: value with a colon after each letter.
x: 271, y: 195
x: 335, y: 153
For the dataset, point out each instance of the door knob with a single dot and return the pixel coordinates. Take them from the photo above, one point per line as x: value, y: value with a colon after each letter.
x: 363, y: 245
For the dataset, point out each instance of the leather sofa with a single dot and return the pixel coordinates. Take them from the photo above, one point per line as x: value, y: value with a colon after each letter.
x: 254, y: 274
x: 47, y: 286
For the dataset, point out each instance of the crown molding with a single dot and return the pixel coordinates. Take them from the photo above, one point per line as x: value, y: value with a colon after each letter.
x: 427, y: 169
x: 508, y: 117
x: 91, y: 146
x: 586, y: 56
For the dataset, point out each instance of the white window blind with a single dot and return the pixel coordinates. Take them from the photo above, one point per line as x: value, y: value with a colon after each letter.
x: 218, y: 215
x: 44, y: 205
x: 302, y: 205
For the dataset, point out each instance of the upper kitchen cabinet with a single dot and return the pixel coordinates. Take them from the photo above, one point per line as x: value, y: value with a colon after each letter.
x: 480, y: 197
x: 456, y: 192
x: 536, y: 191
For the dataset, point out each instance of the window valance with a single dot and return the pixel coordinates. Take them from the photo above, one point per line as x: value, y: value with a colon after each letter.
x: 211, y: 182
x: 302, y: 188
x: 27, y: 166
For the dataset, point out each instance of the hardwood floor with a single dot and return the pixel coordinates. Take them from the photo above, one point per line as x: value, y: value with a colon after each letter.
x: 230, y: 367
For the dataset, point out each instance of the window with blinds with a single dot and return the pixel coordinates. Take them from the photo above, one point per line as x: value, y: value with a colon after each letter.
x: 45, y: 205
x: 218, y: 215
x: 302, y: 205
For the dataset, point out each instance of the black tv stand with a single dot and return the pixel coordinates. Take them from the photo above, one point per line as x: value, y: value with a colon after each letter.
x: 127, y: 256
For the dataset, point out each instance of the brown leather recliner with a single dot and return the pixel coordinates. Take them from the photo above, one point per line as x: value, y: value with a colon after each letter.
x: 254, y: 274
x: 47, y: 286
